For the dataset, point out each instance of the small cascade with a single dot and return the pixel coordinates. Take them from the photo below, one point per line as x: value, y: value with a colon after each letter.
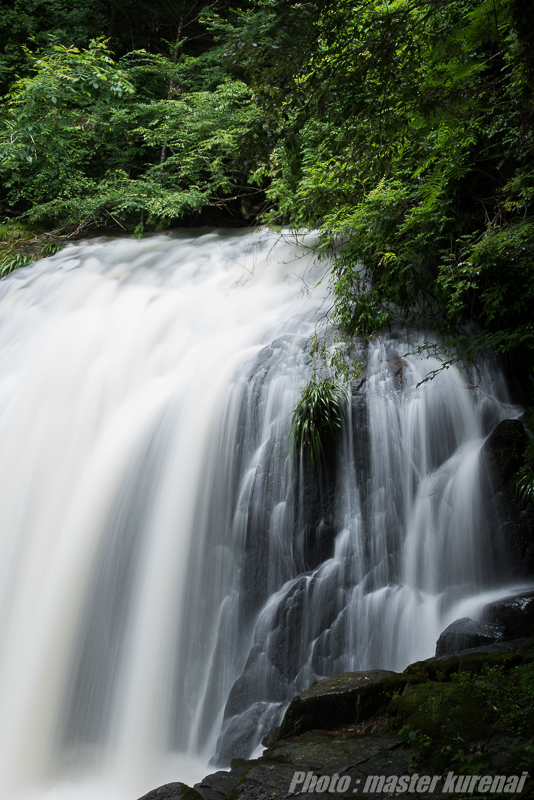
x: 171, y: 577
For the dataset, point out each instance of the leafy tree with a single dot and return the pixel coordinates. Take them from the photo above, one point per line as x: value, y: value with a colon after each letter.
x: 80, y: 144
x: 411, y: 148
x: 402, y: 130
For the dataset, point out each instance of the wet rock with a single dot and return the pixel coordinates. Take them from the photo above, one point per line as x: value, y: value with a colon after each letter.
x: 260, y: 681
x: 240, y: 732
x: 466, y: 633
x: 503, y: 454
x: 444, y: 717
x: 397, y: 367
x: 315, y: 512
x: 357, y: 385
x: 172, y: 791
x: 515, y: 614
x: 272, y: 737
x: 504, y: 449
x: 332, y: 751
x: 335, y: 701
x: 264, y: 781
x: 217, y: 785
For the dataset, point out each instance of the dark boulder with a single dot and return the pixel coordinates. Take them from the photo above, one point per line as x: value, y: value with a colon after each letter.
x: 172, y: 791
x: 372, y: 726
x: 466, y: 633
x: 515, y: 614
x: 335, y: 701
x: 217, y: 785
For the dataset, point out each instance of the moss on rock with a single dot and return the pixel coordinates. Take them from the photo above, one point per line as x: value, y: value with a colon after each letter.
x: 443, y: 716
x: 441, y: 669
x: 340, y: 700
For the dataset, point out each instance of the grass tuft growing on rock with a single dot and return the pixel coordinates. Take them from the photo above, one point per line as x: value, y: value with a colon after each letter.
x: 318, y: 415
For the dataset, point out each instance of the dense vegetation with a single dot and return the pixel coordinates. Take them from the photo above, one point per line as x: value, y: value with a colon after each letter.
x: 402, y: 130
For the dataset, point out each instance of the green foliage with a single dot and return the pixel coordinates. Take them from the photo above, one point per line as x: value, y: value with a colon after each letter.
x: 524, y: 754
x: 411, y: 147
x: 339, y: 361
x: 28, y: 24
x: 440, y: 715
x: 446, y: 721
x: 78, y: 148
x: 525, y: 484
x: 403, y: 132
x: 318, y: 416
x: 508, y: 694
x: 21, y: 245
x: 420, y: 743
x: 50, y: 248
x: 157, y: 26
x: 11, y: 263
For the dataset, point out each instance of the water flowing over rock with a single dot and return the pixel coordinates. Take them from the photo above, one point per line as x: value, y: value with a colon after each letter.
x: 170, y: 579
x: 514, y: 614
x: 465, y: 633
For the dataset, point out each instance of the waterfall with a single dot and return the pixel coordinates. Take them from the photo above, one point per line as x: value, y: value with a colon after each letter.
x: 170, y: 576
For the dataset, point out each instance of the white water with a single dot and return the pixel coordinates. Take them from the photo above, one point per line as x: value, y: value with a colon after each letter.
x: 157, y: 556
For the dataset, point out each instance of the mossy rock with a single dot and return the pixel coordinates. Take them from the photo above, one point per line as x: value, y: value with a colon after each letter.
x: 443, y: 717
x: 441, y: 669
x: 340, y: 700
x: 527, y: 650
x: 233, y: 794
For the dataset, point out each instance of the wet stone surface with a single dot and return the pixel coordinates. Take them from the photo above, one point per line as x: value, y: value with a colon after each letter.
x: 466, y: 633
x: 219, y: 784
x: 172, y: 791
x: 380, y: 753
x: 334, y: 701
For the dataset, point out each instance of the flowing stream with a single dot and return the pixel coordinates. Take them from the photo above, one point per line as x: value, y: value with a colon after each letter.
x: 170, y: 578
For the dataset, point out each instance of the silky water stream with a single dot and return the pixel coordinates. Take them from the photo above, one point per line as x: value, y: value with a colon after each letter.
x: 168, y: 579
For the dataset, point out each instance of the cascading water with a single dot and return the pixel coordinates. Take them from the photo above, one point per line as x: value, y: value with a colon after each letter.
x: 169, y: 579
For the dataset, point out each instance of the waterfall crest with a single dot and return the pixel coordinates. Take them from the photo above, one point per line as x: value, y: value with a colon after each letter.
x: 169, y: 579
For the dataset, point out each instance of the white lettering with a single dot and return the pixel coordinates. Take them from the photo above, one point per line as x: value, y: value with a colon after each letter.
x: 449, y: 783
x: 334, y: 780
x: 423, y: 783
x: 511, y: 784
x: 298, y: 777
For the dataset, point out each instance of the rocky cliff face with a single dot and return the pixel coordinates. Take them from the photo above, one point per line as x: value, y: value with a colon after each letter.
x: 453, y: 714
x: 433, y: 728
x: 503, y: 454
x: 467, y: 712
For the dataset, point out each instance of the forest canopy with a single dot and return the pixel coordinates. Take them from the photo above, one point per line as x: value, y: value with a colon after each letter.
x: 402, y: 131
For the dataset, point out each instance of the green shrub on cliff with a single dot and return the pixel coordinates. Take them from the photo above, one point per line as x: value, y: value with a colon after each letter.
x: 448, y: 721
x: 317, y: 417
x: 405, y: 132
